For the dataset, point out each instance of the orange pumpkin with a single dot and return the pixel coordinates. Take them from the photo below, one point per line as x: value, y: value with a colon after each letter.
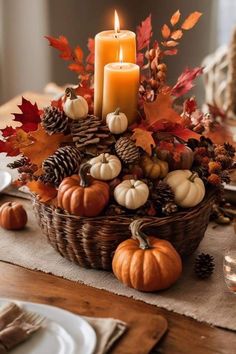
x: 12, y: 216
x: 146, y: 263
x: 82, y: 195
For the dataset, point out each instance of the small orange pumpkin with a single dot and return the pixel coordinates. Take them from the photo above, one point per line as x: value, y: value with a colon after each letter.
x: 146, y: 263
x: 12, y: 216
x: 82, y: 195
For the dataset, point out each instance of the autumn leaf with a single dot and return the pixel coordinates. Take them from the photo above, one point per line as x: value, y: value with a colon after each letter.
x: 140, y: 59
x: 191, y: 20
x: 61, y: 43
x: 184, y: 133
x: 185, y: 81
x: 7, y: 131
x: 79, y: 55
x: 144, y: 33
x: 44, y: 192
x: 178, y: 34
x: 58, y: 103
x: 76, y: 67
x: 170, y: 44
x: 175, y: 18
x: 30, y: 116
x: 143, y: 138
x: 14, y: 142
x: 160, y: 110
x: 43, y: 145
x: 165, y: 31
x: 173, y: 51
x: 174, y: 148
x: 91, y: 48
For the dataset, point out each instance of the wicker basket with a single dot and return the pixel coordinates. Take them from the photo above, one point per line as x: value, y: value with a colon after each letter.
x: 91, y: 242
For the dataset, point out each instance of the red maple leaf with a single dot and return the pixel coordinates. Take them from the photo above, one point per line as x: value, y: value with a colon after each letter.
x: 144, y: 33
x: 185, y: 81
x: 61, y: 43
x: 8, y: 131
x: 30, y: 116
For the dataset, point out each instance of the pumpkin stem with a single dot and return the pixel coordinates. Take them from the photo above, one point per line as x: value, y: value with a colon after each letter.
x: 83, y: 173
x: 117, y: 111
x: 70, y: 93
x: 104, y: 160
x: 193, y: 176
x: 137, y: 234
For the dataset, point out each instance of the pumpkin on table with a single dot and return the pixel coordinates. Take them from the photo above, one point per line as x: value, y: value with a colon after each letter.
x: 117, y: 122
x: 105, y: 167
x: 146, y: 263
x: 188, y: 188
x: 131, y: 193
x: 153, y: 167
x: 75, y: 107
x: 82, y: 195
x: 13, y: 216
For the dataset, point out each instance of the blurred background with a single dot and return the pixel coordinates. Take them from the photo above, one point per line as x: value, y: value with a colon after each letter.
x: 28, y: 63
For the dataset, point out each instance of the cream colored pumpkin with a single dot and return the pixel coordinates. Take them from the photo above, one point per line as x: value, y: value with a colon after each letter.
x: 75, y: 107
x: 117, y: 122
x: 105, y: 167
x: 188, y: 188
x: 131, y: 194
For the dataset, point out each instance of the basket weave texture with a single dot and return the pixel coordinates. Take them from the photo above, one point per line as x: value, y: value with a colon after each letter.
x: 91, y: 242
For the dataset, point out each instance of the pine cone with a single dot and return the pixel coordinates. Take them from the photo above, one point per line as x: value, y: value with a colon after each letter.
x: 54, y: 120
x: 169, y: 208
x: 127, y: 151
x: 204, y: 265
x: 162, y: 194
x: 226, y: 161
x: 18, y: 163
x: 91, y: 135
x: 63, y: 163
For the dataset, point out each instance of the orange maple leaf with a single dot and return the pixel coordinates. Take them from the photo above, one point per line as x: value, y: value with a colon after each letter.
x: 43, y: 145
x: 143, y: 139
x: 44, y: 192
x: 175, y: 18
x: 161, y: 110
x: 191, y: 20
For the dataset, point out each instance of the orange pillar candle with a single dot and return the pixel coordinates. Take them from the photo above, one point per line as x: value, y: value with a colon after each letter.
x: 107, y: 47
x: 121, y: 83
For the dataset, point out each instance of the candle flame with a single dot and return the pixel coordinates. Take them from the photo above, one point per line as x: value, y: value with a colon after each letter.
x: 116, y: 22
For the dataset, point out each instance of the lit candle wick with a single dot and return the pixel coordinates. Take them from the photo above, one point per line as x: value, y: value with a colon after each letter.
x: 116, y: 23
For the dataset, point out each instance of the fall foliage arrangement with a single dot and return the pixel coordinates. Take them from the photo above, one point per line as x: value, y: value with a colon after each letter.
x: 163, y: 165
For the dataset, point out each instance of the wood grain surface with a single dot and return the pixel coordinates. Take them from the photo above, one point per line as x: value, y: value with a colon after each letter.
x: 184, y: 336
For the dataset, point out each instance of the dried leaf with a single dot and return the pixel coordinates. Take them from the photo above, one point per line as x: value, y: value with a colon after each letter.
x: 14, y: 142
x: 43, y: 145
x: 143, y: 138
x: 140, y: 59
x: 144, y: 33
x: 91, y: 48
x: 175, y: 18
x: 58, y: 103
x: 170, y: 44
x: 7, y: 131
x: 191, y: 20
x: 30, y: 116
x: 178, y: 34
x: 78, y: 54
x: 173, y: 51
x: 44, y: 192
x: 160, y: 111
x: 76, y: 67
x: 185, y: 81
x: 184, y: 133
x: 61, y: 43
x: 165, y: 31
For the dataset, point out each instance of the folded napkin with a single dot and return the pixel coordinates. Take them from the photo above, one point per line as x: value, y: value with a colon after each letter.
x: 16, y: 326
x: 108, y: 331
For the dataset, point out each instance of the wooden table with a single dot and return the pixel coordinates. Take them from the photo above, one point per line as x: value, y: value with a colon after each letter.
x: 185, y: 335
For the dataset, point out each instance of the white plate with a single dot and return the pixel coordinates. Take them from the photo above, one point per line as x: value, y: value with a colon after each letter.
x: 64, y: 332
x: 5, y: 180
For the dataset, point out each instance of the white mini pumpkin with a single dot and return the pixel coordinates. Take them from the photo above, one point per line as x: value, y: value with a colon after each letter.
x: 131, y: 194
x: 75, y: 107
x: 188, y: 188
x: 105, y: 167
x: 117, y: 122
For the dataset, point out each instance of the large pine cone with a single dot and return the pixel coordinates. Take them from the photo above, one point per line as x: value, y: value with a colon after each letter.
x: 127, y: 151
x: 54, y: 120
x: 91, y: 135
x: 63, y: 163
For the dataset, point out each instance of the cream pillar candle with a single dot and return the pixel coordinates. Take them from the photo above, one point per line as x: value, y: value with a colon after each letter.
x: 121, y: 83
x: 107, y: 48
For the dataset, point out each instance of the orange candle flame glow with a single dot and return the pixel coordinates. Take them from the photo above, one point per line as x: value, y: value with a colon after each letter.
x: 116, y: 22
